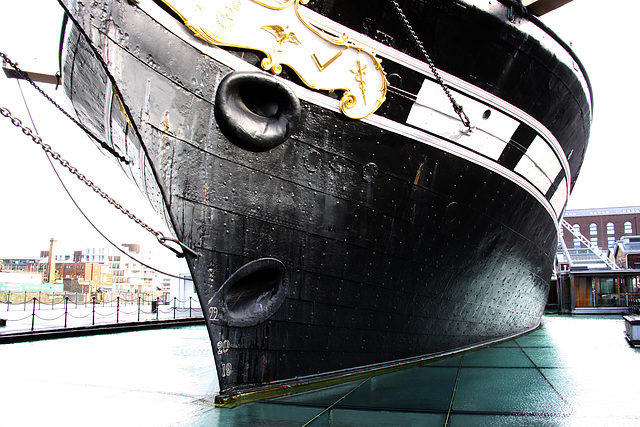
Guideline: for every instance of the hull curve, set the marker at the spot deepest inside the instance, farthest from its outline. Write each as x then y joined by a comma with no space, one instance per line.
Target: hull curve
350,244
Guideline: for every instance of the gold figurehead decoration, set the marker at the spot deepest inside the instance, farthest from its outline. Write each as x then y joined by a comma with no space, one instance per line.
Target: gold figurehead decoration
323,60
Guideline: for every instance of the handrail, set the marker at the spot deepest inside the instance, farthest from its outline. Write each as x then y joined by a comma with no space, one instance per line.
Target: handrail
64,311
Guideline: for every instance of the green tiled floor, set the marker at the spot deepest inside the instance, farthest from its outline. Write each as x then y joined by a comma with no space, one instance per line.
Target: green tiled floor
574,371
550,377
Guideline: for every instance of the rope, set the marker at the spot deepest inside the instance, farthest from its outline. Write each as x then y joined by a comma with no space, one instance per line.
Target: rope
86,130
79,317
27,107
51,319
128,313
181,310
93,312
105,315
163,240
21,319
52,154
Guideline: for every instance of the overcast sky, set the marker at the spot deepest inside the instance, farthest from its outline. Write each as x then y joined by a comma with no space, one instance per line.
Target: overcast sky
34,206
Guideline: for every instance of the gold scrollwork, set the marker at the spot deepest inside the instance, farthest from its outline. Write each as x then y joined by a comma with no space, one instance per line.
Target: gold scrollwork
281,35
322,57
322,67
347,102
359,76
267,63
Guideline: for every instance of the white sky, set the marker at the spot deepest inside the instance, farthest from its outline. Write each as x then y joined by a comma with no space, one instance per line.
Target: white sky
34,207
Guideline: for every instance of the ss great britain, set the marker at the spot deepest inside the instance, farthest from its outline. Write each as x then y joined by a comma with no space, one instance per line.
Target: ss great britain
358,185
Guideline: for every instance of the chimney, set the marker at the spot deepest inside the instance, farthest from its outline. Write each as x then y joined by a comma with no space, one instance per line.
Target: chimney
52,264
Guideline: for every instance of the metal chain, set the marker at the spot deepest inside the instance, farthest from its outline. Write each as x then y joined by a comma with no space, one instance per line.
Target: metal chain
47,149
456,107
25,76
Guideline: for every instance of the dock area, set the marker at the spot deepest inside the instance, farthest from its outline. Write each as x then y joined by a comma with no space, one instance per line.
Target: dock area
574,370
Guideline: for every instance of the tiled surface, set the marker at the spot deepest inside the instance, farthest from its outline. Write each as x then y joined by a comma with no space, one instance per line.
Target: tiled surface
574,371
550,377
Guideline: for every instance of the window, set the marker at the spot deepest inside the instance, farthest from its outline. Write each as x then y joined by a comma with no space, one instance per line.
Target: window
594,241
611,241
607,292
628,228
593,229
576,241
611,229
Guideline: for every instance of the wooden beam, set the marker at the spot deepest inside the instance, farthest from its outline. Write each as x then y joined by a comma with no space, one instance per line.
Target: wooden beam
36,77
540,7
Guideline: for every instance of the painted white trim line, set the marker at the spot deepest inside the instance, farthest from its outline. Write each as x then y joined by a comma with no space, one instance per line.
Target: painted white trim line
433,141
329,103
432,112
454,83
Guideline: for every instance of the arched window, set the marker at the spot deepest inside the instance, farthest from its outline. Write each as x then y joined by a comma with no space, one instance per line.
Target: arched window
576,241
611,229
628,228
593,229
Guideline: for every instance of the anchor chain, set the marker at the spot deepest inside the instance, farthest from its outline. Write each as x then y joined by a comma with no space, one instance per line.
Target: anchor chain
407,25
86,130
56,156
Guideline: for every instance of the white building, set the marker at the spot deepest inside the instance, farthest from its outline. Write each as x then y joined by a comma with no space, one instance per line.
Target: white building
184,292
130,273
132,270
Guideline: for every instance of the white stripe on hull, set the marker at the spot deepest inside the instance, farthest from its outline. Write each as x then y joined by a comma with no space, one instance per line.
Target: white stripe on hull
433,113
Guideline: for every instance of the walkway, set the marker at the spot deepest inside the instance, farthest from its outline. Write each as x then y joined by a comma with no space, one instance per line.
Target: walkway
33,319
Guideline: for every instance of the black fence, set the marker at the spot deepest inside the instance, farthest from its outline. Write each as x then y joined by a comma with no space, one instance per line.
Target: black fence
30,311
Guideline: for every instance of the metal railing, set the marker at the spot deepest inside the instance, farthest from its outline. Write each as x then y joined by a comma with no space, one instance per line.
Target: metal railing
69,310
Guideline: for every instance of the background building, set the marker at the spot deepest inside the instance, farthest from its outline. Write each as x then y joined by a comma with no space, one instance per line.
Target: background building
606,280
129,267
92,277
24,264
124,269
603,227
626,252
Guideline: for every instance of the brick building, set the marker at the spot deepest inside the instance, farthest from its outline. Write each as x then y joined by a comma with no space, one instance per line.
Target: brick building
603,227
589,285
96,276
626,252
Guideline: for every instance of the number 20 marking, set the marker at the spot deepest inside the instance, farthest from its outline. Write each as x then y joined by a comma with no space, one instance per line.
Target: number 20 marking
223,346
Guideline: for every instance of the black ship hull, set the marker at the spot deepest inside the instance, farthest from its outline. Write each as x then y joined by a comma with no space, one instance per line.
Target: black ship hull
336,244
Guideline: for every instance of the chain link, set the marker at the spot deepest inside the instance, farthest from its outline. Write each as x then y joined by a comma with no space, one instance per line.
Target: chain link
407,25
26,77
56,156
